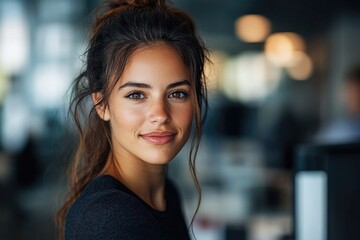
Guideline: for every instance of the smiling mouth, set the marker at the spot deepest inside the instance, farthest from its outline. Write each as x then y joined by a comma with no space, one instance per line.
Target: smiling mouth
159,138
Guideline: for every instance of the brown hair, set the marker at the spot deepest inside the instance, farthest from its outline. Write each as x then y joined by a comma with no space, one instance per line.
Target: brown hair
123,27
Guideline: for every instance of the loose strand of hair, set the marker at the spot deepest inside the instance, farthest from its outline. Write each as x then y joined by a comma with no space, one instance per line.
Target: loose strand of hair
195,144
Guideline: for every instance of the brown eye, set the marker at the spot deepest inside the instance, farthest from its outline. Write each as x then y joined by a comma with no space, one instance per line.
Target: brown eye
135,96
178,95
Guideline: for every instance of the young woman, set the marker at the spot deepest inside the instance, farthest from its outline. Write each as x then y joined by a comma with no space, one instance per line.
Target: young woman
144,77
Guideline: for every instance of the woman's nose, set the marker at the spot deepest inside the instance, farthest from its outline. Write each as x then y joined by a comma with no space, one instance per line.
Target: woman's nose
159,112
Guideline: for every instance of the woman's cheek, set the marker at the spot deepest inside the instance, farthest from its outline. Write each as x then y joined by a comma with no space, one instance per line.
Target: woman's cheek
186,116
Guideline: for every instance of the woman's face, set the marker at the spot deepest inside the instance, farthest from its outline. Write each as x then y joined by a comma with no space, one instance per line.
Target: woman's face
151,107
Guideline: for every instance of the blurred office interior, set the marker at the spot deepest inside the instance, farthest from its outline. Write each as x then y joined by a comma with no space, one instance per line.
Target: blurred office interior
275,83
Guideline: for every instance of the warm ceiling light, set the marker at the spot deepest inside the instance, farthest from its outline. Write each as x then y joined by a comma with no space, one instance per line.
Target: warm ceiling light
252,28
296,40
301,66
280,48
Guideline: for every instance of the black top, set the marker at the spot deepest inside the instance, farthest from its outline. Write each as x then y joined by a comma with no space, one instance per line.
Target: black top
107,209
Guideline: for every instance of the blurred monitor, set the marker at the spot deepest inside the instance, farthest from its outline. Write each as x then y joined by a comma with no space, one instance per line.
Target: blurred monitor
327,192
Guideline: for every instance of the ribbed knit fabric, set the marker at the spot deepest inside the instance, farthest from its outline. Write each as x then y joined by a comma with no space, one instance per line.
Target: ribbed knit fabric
108,210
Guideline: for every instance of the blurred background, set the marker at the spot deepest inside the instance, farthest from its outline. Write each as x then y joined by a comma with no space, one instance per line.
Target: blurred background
283,74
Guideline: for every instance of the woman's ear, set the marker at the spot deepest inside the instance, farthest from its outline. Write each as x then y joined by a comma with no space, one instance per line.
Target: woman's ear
101,109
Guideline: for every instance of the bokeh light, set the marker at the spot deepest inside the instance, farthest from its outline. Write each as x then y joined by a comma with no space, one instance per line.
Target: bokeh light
14,38
301,66
280,48
252,28
214,69
250,77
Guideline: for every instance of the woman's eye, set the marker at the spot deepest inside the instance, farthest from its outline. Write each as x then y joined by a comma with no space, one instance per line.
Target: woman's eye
178,95
135,96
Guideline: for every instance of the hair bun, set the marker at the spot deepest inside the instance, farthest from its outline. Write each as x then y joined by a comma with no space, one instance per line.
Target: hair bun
143,3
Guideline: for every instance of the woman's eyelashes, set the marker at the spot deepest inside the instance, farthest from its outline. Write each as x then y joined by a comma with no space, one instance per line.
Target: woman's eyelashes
135,96
139,96
179,94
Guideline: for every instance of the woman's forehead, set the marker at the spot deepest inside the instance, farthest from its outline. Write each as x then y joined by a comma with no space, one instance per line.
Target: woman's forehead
155,63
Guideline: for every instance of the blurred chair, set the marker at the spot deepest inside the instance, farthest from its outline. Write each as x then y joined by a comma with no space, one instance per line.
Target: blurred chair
327,192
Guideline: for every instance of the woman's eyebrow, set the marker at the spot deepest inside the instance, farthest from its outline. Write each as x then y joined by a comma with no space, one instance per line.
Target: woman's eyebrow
135,84
177,84
145,85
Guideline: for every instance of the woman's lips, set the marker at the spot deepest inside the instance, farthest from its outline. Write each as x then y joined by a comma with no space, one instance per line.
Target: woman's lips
159,138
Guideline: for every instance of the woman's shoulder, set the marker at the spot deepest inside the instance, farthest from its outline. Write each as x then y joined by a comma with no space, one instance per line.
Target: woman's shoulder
106,210
104,191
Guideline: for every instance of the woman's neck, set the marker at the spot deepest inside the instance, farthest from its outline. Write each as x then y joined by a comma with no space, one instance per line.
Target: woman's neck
146,180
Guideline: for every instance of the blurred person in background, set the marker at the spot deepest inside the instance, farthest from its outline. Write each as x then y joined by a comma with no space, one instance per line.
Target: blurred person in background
346,128
144,76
